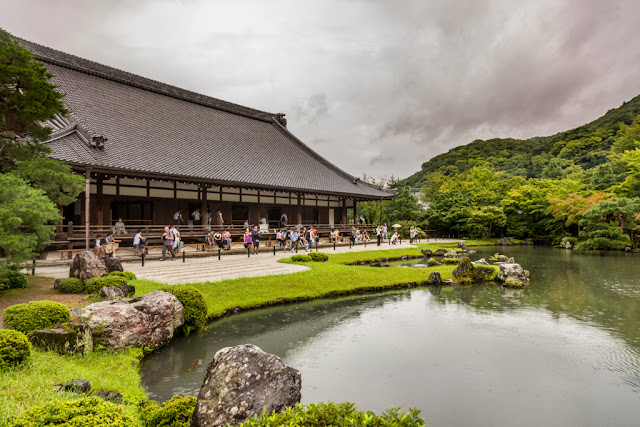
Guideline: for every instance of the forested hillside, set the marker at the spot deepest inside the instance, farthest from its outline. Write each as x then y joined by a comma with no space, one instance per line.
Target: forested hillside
581,186
586,146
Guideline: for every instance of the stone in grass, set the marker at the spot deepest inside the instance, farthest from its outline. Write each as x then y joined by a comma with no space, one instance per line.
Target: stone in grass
451,254
77,386
481,261
110,396
128,290
69,337
86,265
464,268
440,252
112,264
434,278
426,252
242,381
111,292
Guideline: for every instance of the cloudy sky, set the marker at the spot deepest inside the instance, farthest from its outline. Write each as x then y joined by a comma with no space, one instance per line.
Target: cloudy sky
374,86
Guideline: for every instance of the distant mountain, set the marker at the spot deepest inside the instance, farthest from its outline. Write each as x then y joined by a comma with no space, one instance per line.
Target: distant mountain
586,146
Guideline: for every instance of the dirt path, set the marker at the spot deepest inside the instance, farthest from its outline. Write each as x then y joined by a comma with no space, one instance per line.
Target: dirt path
40,288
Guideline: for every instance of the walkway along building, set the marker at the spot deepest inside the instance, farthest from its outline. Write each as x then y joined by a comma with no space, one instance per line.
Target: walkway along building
147,149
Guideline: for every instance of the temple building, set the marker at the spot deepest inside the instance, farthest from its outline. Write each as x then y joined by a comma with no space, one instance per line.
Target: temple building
147,149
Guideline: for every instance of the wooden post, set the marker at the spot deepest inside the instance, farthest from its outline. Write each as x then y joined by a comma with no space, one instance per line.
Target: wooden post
87,197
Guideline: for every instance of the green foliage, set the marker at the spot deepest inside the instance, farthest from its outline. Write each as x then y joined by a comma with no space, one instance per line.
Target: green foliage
194,306
27,219
71,285
455,261
173,413
11,279
301,258
610,224
404,206
34,315
318,256
85,412
94,284
432,262
332,414
15,348
126,274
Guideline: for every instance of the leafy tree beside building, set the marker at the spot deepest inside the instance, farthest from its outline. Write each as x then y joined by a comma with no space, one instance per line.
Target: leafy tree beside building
32,185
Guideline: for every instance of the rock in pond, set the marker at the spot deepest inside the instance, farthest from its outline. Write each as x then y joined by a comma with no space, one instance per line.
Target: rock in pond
242,381
481,261
427,252
440,252
111,292
69,337
513,275
86,265
464,268
504,241
434,278
451,254
149,320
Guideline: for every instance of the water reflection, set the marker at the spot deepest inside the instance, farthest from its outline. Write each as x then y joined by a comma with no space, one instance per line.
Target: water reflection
568,344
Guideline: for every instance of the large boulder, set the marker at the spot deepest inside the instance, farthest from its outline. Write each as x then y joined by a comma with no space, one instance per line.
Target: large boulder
434,278
149,320
242,381
86,265
513,275
112,264
70,337
464,268
451,254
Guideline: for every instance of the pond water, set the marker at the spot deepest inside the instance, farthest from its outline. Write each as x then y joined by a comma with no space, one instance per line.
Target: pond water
563,352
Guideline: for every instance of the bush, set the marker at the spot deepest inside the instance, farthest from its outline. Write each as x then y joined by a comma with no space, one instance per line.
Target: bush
87,411
35,315
94,285
126,274
451,261
432,262
194,306
173,413
331,414
71,285
318,256
301,258
10,279
14,348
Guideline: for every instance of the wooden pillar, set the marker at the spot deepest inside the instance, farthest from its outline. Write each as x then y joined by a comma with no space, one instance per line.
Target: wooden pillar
87,198
299,212
355,211
205,205
100,201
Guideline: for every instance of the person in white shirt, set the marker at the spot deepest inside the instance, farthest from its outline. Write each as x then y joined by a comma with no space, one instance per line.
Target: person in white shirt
139,242
196,217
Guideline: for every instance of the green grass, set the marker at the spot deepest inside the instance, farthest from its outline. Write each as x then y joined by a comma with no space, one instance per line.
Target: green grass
324,279
481,242
22,388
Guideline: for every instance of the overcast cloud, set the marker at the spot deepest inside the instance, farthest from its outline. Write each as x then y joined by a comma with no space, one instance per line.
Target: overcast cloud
374,86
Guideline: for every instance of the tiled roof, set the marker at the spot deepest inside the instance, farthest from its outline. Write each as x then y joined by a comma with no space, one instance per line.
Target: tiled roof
150,127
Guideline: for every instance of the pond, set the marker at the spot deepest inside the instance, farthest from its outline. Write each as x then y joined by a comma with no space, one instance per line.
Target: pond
564,351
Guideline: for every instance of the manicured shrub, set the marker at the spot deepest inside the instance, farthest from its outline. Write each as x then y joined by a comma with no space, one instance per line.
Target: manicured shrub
451,261
332,414
126,274
35,315
173,413
432,262
301,258
14,348
94,285
318,256
10,279
194,306
87,411
71,285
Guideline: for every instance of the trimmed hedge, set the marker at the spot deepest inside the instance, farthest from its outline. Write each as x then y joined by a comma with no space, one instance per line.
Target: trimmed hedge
10,279
301,258
194,306
71,285
332,414
15,348
34,315
318,256
126,274
85,412
94,285
173,413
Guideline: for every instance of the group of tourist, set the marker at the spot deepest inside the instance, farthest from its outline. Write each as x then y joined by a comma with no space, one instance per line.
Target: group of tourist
197,217
221,240
292,238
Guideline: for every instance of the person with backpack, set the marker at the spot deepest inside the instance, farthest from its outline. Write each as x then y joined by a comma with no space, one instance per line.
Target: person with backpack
177,217
167,245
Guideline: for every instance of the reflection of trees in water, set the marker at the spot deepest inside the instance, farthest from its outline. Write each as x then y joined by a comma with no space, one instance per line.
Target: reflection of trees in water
278,330
603,288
